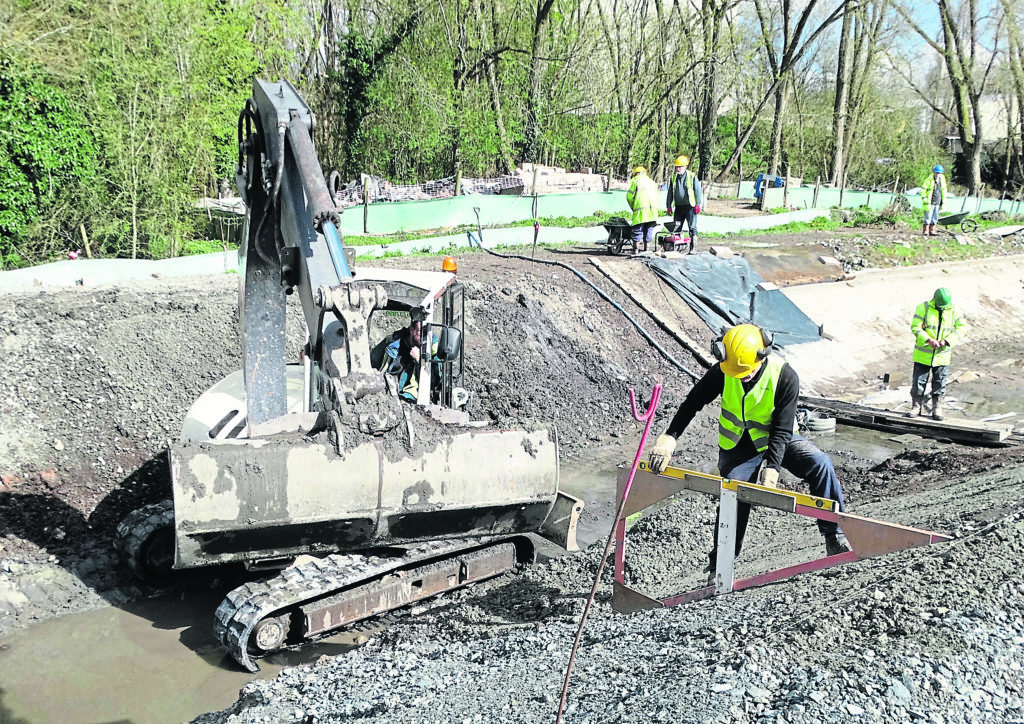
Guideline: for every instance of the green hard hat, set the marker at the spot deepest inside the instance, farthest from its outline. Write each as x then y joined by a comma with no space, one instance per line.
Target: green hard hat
942,298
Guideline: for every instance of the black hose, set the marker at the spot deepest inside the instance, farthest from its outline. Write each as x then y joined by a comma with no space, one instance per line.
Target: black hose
639,328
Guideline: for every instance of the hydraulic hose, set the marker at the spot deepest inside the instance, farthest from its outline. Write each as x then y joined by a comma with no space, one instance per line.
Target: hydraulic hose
639,327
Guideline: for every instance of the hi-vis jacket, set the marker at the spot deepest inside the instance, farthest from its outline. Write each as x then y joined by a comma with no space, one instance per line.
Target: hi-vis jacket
750,411
938,324
928,186
642,198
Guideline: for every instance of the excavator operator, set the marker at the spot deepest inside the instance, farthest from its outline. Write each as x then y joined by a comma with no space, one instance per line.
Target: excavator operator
756,430
398,357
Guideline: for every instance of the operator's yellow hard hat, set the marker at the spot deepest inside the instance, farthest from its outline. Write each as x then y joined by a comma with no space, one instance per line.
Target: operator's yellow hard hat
682,161
639,169
449,264
741,350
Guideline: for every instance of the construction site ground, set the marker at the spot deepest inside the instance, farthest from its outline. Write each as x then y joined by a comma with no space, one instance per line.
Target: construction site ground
96,380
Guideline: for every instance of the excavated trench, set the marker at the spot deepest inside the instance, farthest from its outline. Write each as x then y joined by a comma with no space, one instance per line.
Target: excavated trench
97,380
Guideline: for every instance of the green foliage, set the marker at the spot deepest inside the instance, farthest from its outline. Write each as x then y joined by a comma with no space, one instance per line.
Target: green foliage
144,125
46,151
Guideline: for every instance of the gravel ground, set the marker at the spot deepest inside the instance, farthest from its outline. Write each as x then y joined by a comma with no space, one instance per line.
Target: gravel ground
930,635
96,381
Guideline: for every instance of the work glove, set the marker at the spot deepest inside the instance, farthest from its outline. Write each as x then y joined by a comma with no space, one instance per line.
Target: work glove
696,209
668,211
768,477
662,451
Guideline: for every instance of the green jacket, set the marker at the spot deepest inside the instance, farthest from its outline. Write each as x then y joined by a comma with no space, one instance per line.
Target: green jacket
928,186
938,324
642,198
751,411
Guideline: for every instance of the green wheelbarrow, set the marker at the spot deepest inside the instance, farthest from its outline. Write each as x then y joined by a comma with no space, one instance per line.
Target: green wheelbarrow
967,224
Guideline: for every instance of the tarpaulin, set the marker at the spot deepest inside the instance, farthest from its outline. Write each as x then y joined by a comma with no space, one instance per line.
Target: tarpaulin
724,292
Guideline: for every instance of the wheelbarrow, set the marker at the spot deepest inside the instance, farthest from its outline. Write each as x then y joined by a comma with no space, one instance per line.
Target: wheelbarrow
620,233
672,239
967,224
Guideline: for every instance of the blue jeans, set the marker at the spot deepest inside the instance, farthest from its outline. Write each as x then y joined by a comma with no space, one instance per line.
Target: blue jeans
939,374
804,460
643,232
687,214
931,214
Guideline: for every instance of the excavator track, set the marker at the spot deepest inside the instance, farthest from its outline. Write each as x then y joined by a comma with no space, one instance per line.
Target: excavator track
315,599
145,541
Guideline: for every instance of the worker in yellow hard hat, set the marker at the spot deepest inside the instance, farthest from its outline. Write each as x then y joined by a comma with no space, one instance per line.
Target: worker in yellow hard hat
642,198
756,427
685,197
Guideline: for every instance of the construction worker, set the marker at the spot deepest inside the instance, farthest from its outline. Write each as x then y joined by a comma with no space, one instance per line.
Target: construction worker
684,194
937,327
642,198
756,428
398,357
933,196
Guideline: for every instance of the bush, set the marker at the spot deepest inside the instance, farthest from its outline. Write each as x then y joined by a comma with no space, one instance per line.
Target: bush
47,153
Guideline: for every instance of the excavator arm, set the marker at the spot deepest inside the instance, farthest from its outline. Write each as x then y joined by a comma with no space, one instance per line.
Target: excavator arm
292,243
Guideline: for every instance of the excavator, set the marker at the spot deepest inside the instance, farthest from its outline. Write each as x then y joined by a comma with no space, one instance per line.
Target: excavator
345,493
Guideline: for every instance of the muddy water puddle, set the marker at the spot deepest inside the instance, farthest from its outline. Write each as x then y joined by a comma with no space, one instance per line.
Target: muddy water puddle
150,661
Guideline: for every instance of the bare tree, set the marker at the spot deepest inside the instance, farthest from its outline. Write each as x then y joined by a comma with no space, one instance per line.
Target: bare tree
858,50
1015,64
795,45
958,44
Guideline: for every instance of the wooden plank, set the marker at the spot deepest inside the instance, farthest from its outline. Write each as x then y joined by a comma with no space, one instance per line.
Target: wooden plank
965,431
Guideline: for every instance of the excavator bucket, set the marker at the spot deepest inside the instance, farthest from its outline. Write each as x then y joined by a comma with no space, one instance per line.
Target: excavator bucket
259,499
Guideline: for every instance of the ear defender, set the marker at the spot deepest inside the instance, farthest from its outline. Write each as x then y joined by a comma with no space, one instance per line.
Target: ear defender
768,339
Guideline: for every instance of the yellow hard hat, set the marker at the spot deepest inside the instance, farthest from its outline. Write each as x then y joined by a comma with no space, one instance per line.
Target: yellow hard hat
682,161
741,350
449,264
639,169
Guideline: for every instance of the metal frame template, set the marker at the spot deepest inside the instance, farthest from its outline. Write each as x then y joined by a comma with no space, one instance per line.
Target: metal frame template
868,538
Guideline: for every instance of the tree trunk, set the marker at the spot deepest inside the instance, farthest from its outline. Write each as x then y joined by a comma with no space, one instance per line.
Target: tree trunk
505,148
775,150
840,103
531,132
708,120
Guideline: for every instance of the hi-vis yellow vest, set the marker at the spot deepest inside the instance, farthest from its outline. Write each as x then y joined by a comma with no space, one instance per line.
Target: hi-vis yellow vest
750,411
939,324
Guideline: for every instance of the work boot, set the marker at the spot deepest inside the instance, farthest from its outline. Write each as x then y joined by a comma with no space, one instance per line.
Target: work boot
937,408
836,543
916,409
931,230
924,229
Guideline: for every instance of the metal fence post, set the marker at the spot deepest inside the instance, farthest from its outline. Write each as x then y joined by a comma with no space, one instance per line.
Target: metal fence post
366,205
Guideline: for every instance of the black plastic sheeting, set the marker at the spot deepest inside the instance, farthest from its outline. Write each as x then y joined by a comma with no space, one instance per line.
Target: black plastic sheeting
724,292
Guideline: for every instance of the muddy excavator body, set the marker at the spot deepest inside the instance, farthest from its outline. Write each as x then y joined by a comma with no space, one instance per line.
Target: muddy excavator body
360,452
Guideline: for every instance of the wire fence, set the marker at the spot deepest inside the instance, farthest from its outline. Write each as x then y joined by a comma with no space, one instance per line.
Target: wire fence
374,189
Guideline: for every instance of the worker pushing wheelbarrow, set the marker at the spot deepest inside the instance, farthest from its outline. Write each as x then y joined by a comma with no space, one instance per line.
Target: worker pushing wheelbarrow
933,196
